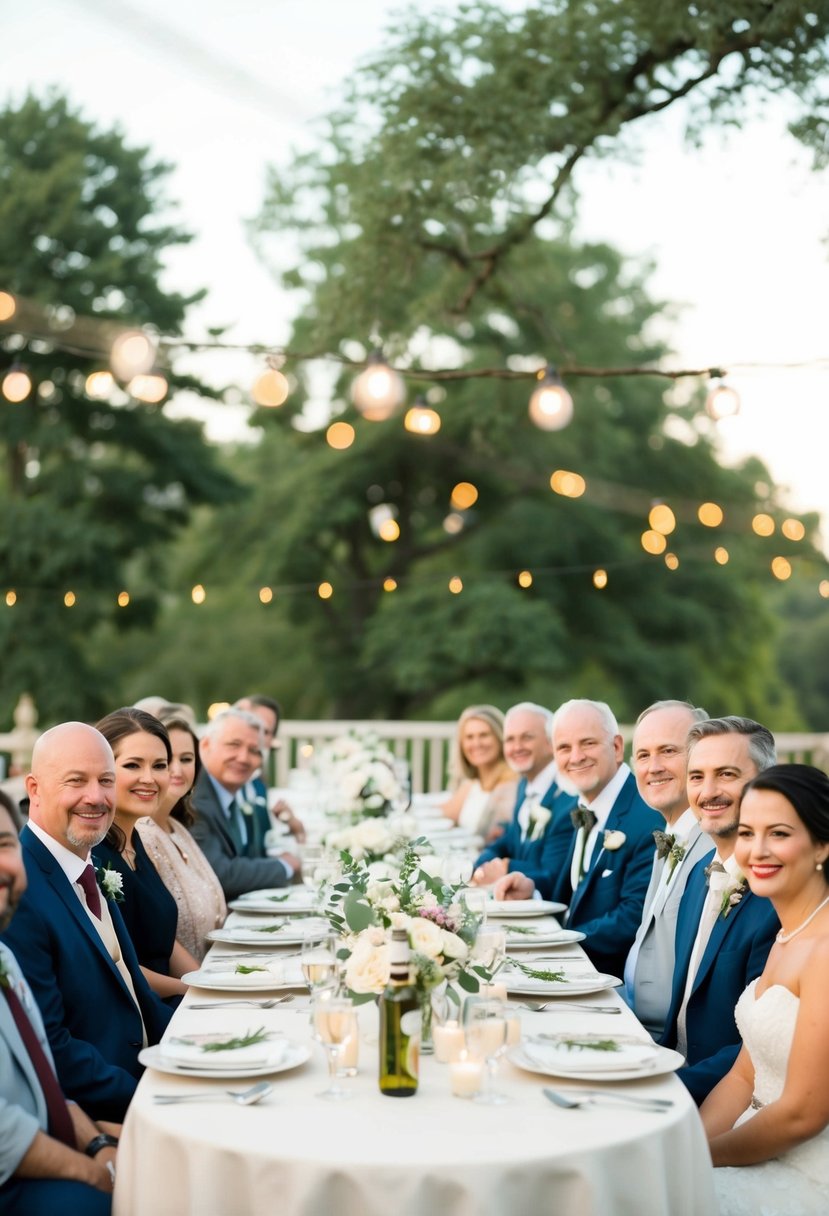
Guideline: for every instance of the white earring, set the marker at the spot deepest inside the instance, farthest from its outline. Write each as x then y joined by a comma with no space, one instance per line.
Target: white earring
819,865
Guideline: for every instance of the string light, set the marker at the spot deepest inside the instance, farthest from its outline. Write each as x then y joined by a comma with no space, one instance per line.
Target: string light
378,391
421,419
217,707
389,530
11,598
710,515
325,591
8,306
551,406
70,599
464,495
17,384
99,385
653,542
265,595
132,354
525,579
763,525
149,387
721,556
662,519
793,529
722,401
198,595
823,588
453,524
456,585
340,435
672,561
600,579
271,389
123,599
569,485
389,584
781,568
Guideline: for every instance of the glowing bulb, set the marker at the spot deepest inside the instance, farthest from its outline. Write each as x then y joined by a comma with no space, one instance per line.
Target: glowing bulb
11,598
389,584
793,529
600,579
672,561
17,384
823,589
150,388
325,591
453,524
569,485
464,496
389,530
662,519
421,420
198,594
551,406
378,391
132,354
123,599
8,306
721,556
217,707
653,542
781,568
710,515
99,385
722,401
525,579
455,585
265,595
271,389
70,599
763,525
340,435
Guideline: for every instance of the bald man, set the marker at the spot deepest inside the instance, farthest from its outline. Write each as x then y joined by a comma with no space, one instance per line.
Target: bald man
68,935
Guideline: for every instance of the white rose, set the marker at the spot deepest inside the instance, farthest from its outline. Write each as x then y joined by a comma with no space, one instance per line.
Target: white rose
372,836
454,946
368,967
425,937
613,841
432,865
352,784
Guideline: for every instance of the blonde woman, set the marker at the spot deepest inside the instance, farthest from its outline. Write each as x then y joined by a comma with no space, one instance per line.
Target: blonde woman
485,786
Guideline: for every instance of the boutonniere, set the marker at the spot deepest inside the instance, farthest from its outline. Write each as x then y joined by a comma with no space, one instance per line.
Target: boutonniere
613,841
732,896
4,974
678,851
539,818
110,882
244,806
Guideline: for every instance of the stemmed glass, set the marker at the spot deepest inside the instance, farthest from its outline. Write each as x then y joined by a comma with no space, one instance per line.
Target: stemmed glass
490,947
485,1031
325,872
334,1021
318,959
474,900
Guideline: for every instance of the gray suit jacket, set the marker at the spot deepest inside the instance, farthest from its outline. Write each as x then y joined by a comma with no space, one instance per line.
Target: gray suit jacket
653,977
22,1105
236,872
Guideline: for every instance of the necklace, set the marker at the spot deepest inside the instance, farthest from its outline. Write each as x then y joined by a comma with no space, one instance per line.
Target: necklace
782,937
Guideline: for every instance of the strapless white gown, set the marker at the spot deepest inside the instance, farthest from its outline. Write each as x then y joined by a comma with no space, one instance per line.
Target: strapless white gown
796,1184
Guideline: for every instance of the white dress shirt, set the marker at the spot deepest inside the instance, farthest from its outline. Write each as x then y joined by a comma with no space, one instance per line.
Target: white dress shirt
601,806
718,884
534,792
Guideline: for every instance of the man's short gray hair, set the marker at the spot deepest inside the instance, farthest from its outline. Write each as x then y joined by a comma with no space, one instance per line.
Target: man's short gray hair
605,713
761,745
215,724
697,714
530,707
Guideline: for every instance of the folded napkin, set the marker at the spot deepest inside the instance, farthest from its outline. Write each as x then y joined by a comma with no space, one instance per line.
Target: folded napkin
271,973
589,1053
188,1051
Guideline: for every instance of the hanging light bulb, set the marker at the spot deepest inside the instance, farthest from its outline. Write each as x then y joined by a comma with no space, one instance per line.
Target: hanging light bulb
99,385
722,400
17,384
379,390
8,306
551,406
271,389
421,419
148,387
132,354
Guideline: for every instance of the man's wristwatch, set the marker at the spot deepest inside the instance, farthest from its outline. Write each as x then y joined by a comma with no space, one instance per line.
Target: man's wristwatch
98,1142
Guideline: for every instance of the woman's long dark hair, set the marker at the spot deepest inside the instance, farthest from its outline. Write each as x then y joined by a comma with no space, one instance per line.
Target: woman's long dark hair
183,810
116,726
807,789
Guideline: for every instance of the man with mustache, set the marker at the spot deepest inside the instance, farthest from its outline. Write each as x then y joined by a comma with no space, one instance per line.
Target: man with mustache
43,1165
68,934
723,933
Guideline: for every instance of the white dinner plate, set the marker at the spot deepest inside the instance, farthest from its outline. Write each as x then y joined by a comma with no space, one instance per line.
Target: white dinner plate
579,984
152,1057
225,979
298,901
542,937
665,1061
523,907
289,933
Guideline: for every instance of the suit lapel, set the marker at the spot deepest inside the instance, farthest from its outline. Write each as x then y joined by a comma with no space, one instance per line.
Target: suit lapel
723,925
614,823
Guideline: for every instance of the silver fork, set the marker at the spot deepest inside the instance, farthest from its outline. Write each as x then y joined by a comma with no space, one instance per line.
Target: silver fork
269,1004
656,1106
552,1006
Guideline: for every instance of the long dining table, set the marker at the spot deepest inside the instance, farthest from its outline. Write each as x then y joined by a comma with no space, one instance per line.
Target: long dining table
435,1154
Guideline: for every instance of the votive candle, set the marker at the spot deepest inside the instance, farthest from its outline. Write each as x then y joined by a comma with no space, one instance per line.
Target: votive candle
448,1039
465,1076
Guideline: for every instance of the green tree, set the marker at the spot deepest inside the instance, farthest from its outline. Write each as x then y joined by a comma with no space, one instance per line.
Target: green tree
89,489
437,215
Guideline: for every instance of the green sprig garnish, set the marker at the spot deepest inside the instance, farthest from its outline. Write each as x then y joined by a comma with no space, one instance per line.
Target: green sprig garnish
590,1044
279,899
269,928
243,969
523,930
246,1040
534,973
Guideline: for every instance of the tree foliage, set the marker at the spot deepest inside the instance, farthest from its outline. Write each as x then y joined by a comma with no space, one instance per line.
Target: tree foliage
89,489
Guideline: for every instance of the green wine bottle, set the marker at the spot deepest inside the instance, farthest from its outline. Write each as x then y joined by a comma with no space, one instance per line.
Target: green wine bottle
399,1024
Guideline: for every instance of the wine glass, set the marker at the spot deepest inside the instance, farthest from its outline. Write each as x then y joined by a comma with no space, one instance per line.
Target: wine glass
334,1022
485,1032
490,947
325,872
474,901
318,959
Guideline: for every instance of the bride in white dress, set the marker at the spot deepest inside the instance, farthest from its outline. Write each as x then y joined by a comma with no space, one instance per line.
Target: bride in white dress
768,1120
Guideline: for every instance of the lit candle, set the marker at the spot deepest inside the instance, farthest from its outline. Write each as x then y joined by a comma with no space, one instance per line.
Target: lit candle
465,1076
448,1040
494,992
349,1055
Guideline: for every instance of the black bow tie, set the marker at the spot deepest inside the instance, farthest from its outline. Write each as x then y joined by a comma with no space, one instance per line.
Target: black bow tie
665,841
715,867
583,817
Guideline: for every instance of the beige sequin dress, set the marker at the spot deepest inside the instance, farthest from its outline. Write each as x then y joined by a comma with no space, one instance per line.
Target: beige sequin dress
189,877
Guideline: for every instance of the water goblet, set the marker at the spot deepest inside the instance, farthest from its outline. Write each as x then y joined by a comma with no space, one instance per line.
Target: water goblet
318,959
485,1031
334,1022
474,902
490,947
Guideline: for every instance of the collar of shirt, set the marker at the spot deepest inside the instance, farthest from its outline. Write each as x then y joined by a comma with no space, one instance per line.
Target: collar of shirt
224,795
683,826
731,868
72,865
602,804
541,782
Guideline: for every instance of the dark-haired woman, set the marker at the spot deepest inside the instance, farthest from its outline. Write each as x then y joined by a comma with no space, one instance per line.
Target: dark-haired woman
770,1115
183,867
142,755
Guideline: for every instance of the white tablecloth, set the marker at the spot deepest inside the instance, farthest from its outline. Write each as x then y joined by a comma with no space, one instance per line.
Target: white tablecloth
431,1155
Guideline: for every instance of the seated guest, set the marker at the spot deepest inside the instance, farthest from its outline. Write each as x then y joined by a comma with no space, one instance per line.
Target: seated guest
610,857
255,792
184,869
142,754
774,1103
231,838
659,759
536,840
67,934
486,787
723,931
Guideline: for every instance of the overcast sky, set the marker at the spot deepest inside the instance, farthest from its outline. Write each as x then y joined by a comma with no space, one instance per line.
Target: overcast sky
737,229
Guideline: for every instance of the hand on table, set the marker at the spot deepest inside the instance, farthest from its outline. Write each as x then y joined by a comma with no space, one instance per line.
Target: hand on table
514,886
490,872
285,815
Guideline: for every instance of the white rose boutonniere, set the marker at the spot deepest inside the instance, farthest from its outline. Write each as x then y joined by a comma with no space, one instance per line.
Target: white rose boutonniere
733,894
244,806
111,883
539,818
613,841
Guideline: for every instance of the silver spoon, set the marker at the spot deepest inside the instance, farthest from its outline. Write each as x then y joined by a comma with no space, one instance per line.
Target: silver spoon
552,1006
242,1097
654,1105
269,1004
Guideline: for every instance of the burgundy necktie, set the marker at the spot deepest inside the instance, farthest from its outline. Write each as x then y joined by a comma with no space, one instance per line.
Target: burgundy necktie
60,1123
90,889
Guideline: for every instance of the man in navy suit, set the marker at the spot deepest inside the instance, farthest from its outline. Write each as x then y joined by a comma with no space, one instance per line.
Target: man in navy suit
538,836
724,932
255,792
52,1156
610,855
68,934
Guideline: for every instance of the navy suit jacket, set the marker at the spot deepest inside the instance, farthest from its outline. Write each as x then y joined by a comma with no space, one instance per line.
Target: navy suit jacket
736,953
237,872
91,1021
607,904
539,859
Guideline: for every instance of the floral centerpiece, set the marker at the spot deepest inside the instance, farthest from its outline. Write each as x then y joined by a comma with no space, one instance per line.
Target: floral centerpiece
363,909
374,840
360,770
